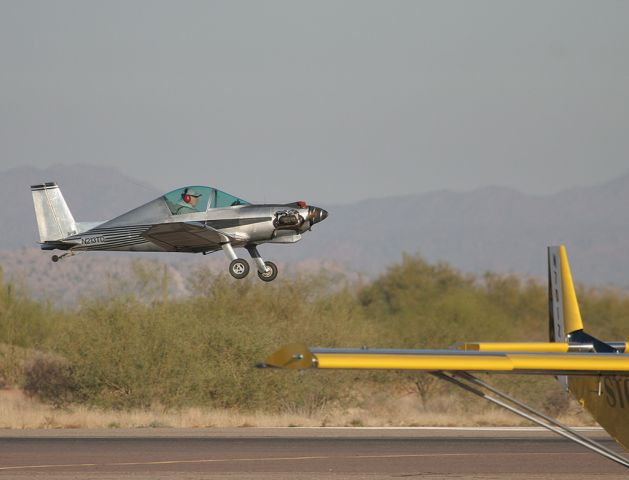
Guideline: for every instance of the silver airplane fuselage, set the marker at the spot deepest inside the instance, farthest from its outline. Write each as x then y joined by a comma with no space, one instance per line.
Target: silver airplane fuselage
245,224
162,225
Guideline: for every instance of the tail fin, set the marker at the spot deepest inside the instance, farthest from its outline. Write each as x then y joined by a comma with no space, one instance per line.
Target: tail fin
564,316
564,313
601,395
54,219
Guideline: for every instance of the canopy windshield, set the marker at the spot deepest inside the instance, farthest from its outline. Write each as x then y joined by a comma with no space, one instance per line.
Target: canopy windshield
223,199
197,199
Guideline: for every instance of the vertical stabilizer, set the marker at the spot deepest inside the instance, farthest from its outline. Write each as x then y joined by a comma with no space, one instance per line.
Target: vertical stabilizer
54,219
564,313
571,312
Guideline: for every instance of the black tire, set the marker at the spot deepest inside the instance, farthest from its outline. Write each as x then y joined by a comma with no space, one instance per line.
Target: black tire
271,274
239,268
55,258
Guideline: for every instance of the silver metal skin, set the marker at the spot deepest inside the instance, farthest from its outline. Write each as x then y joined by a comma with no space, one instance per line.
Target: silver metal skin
229,251
162,225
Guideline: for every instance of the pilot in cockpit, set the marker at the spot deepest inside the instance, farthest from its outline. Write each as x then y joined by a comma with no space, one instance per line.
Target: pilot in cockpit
188,202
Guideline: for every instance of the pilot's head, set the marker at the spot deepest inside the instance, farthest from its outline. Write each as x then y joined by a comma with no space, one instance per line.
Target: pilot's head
190,196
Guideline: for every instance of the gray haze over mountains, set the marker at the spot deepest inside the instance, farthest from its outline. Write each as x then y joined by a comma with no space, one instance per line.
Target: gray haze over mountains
488,229
333,101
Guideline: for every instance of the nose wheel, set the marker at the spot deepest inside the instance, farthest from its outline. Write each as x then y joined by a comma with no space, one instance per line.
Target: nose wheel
267,271
270,273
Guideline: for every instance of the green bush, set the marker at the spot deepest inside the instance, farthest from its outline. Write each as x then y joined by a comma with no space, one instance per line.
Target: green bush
50,378
139,349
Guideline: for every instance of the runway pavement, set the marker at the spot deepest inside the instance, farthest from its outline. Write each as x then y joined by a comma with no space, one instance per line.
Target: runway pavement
300,453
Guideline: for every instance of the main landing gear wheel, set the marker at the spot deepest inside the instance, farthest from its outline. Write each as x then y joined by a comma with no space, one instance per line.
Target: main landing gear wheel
270,274
55,258
239,268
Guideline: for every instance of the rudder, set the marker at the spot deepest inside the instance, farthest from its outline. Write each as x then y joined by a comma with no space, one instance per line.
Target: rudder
564,313
54,219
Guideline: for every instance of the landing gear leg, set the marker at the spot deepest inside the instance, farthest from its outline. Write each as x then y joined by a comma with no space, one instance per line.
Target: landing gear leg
267,271
238,268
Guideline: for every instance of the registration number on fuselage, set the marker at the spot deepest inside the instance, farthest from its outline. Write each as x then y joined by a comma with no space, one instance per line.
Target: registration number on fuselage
92,240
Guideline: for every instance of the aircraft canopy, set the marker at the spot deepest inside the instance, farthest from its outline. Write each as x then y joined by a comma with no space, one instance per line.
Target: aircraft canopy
196,199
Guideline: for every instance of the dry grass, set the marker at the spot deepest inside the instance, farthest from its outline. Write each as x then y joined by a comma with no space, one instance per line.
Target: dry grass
18,411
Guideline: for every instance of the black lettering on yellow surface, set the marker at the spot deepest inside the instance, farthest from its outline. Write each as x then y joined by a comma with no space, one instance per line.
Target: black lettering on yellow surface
621,397
610,395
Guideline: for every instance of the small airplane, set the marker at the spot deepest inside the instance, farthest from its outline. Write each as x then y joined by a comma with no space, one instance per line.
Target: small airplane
596,372
193,219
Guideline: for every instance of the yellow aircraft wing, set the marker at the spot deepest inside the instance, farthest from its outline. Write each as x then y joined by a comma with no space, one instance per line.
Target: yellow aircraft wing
594,371
299,356
599,381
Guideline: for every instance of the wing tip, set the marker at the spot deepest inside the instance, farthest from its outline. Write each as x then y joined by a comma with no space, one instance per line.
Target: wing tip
292,356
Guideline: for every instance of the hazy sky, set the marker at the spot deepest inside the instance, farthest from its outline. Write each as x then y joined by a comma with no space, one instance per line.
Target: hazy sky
329,101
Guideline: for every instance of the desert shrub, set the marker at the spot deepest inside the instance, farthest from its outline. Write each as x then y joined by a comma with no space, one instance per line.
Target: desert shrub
141,349
605,312
24,321
556,401
202,350
50,378
431,306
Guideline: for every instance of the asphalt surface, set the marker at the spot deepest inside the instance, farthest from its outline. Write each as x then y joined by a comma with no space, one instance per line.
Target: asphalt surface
300,454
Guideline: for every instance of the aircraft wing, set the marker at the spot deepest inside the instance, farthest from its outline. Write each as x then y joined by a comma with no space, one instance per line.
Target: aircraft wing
597,379
299,356
185,236
595,372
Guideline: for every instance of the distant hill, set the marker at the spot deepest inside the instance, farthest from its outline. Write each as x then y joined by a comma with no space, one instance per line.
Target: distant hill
489,229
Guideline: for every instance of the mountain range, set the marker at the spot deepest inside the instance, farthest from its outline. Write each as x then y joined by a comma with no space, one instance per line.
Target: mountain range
488,229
